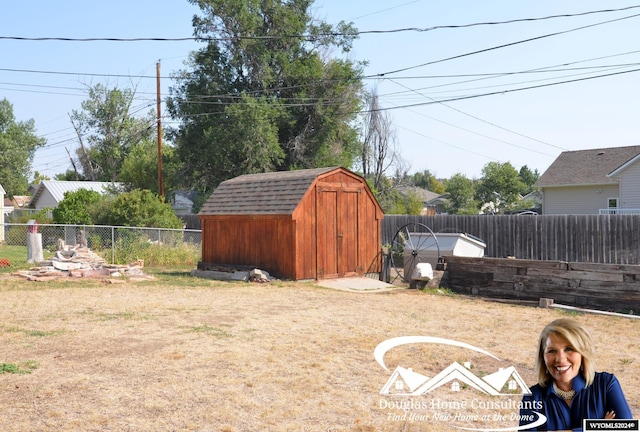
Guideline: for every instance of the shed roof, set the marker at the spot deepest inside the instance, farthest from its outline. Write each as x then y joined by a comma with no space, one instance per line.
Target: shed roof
586,167
268,193
57,188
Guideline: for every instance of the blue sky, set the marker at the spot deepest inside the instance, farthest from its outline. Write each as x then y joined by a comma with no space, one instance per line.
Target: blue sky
528,127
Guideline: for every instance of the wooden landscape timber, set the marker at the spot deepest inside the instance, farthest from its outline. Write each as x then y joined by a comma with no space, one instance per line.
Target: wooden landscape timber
609,287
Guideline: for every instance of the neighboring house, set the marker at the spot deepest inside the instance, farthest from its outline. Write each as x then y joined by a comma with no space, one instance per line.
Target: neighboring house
49,193
182,201
20,202
437,203
534,197
433,203
598,181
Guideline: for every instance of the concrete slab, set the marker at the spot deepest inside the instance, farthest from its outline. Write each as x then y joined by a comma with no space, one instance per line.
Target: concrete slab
357,284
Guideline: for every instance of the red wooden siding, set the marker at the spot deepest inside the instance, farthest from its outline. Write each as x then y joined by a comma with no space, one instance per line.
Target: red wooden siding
261,241
334,231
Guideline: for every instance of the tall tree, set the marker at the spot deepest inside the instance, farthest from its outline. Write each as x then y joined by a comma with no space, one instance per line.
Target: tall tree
500,184
107,131
140,168
379,152
428,181
461,191
18,144
529,178
263,93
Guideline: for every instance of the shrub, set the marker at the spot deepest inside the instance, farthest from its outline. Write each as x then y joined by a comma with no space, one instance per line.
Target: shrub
141,208
75,208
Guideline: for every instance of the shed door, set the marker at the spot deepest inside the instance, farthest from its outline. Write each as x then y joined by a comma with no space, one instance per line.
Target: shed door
337,216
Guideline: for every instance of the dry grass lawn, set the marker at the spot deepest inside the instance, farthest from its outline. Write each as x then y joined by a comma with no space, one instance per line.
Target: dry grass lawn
185,354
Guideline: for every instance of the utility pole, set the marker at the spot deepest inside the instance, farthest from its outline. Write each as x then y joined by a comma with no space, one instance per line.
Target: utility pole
159,114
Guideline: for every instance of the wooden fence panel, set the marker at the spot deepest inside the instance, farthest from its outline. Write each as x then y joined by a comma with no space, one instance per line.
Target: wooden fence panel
607,239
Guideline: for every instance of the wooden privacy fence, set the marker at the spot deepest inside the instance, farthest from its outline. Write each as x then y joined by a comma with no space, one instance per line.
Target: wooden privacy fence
607,239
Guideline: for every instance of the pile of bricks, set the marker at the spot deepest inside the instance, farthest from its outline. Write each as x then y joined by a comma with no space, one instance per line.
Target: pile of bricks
81,262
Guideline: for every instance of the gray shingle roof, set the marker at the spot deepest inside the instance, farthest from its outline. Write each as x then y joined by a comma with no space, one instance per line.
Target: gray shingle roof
269,193
586,167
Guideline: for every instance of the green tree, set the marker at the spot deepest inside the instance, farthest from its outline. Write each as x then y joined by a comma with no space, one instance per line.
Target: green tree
426,180
500,185
263,94
76,207
39,177
70,175
18,144
529,178
140,167
138,208
461,191
107,131
394,202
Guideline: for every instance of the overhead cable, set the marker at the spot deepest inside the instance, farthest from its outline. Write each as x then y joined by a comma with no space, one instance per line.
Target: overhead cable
383,74
310,36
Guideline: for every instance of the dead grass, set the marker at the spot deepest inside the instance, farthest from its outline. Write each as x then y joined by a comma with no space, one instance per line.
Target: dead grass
198,355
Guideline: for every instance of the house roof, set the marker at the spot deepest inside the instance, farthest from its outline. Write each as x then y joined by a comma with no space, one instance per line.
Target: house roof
21,200
428,197
587,167
58,188
269,193
188,194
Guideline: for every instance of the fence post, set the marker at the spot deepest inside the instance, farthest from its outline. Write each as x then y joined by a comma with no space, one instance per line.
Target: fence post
113,245
34,242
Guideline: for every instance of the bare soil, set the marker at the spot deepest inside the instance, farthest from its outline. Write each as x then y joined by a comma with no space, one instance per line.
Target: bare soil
185,354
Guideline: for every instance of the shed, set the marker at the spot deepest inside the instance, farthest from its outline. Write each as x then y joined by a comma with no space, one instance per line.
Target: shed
307,224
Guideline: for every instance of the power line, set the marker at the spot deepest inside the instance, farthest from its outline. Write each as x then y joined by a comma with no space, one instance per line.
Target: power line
505,91
311,36
481,134
489,123
77,73
448,144
384,10
500,46
544,69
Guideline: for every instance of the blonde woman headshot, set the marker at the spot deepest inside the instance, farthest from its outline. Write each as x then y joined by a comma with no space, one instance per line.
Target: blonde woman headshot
569,389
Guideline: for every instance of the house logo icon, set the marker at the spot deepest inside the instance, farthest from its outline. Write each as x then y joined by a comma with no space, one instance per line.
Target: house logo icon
405,382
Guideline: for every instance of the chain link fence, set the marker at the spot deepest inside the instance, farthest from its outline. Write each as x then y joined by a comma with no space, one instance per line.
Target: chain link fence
116,244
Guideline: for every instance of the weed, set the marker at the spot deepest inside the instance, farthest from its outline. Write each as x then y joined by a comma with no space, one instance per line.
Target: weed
572,312
117,316
25,367
214,331
439,291
35,333
167,254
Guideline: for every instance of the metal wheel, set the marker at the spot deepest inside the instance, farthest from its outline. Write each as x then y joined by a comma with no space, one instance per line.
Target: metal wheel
412,244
